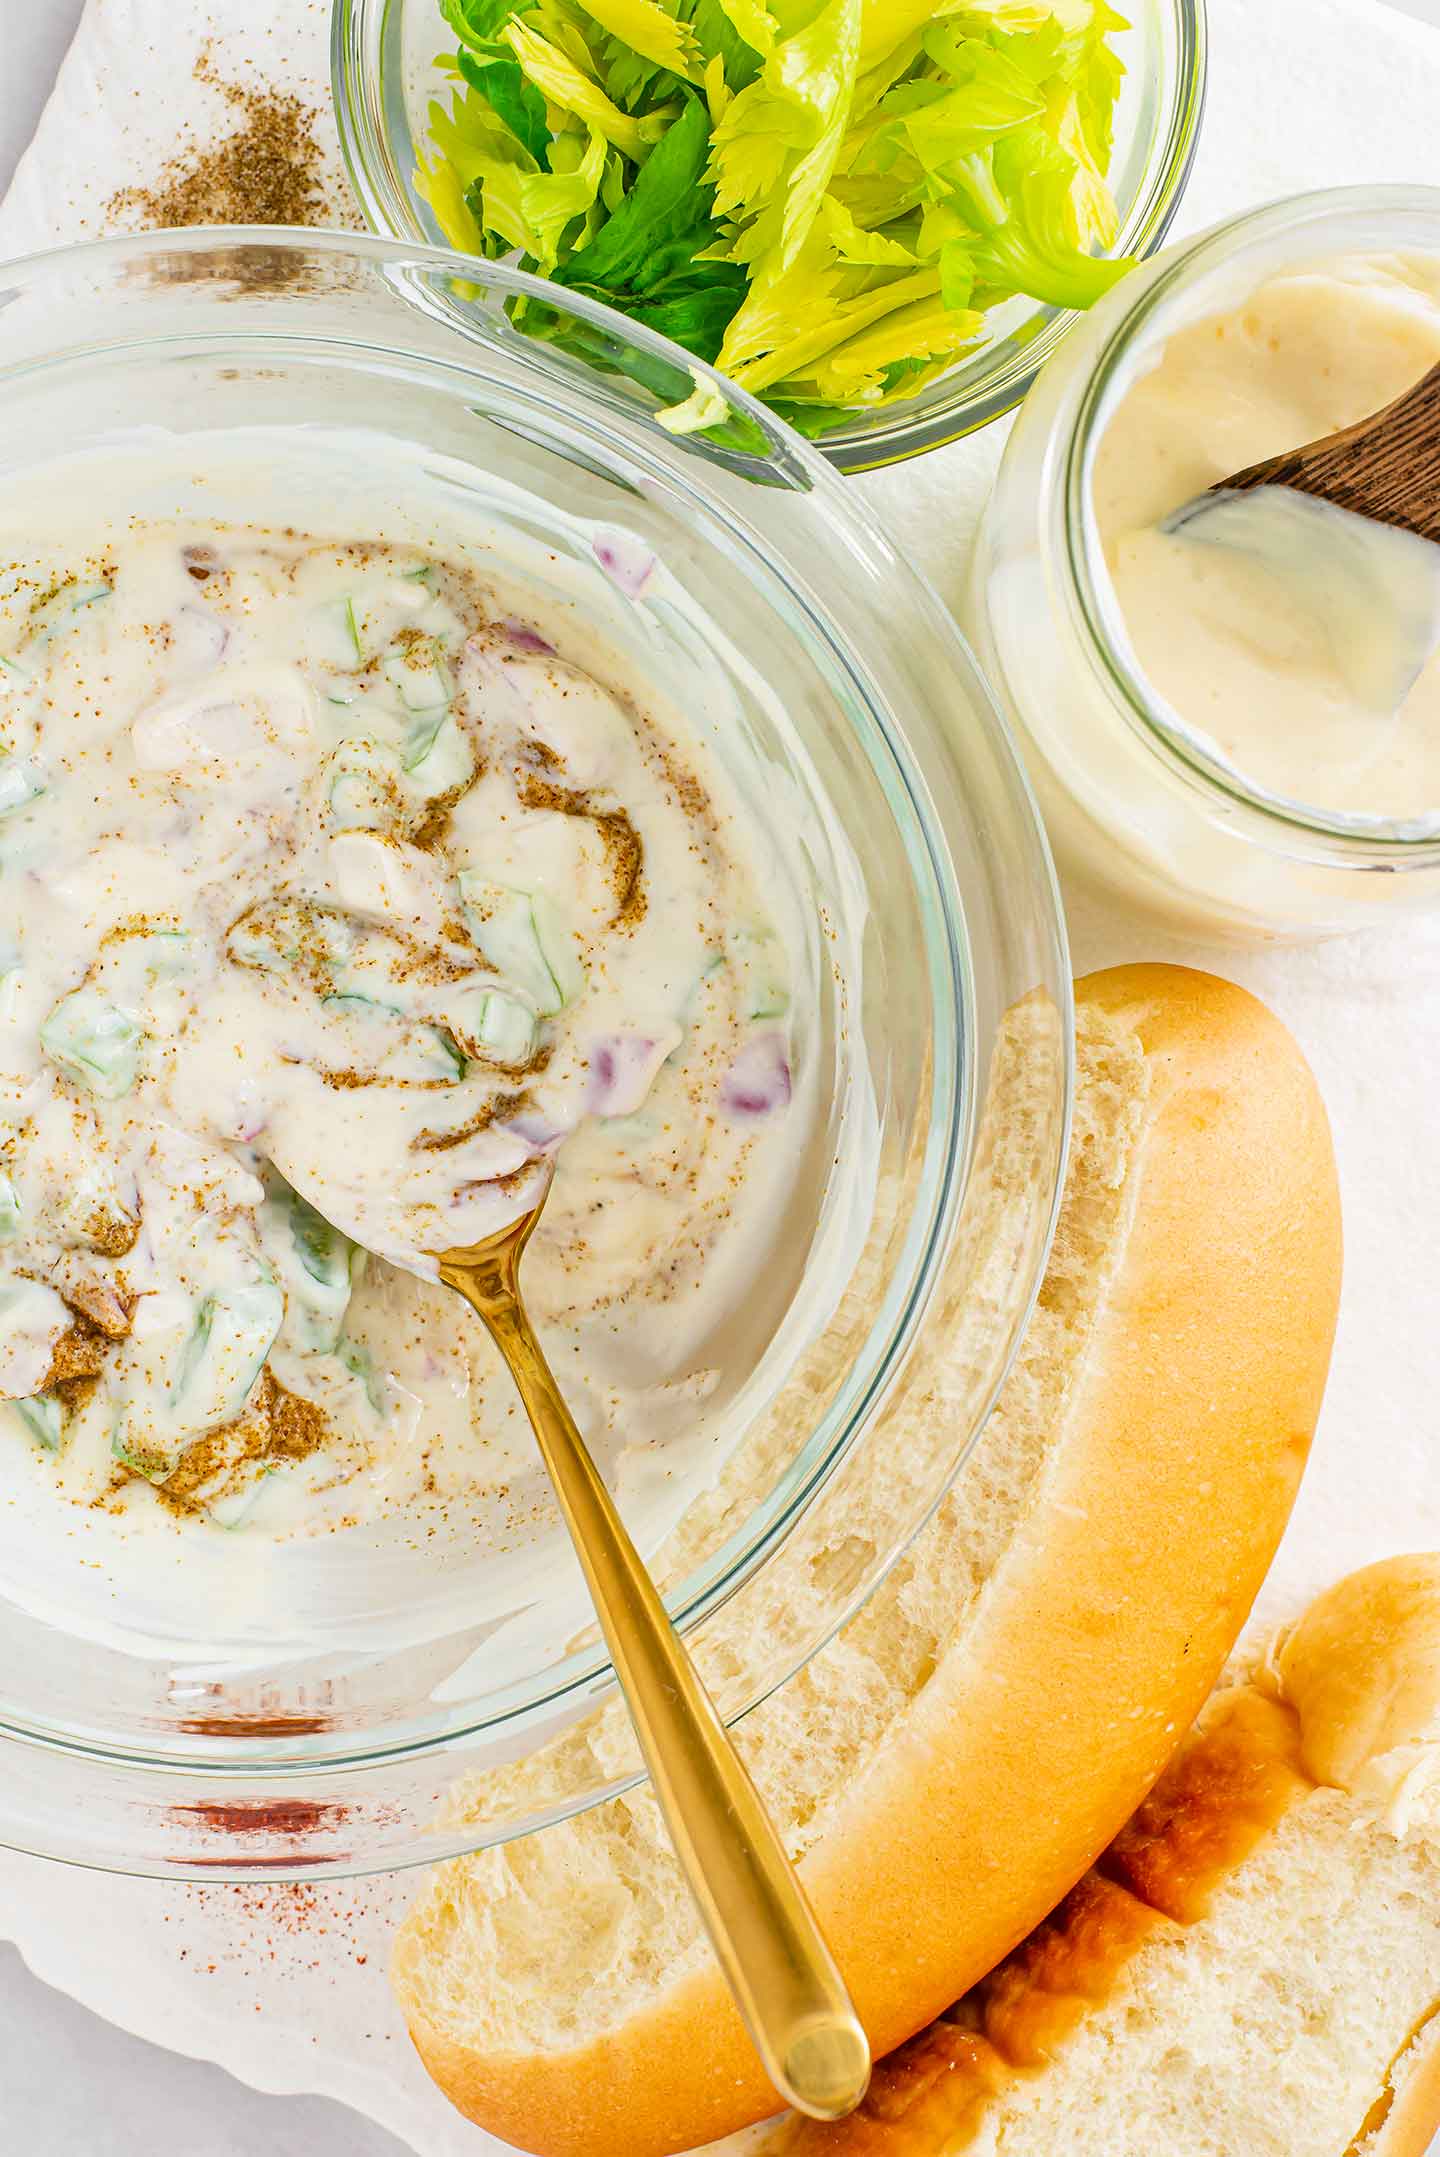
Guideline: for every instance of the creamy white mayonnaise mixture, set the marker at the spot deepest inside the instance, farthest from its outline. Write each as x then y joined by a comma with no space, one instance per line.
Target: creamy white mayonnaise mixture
1296,641
354,863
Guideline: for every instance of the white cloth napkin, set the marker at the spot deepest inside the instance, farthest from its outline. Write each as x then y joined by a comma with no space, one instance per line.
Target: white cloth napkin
286,1986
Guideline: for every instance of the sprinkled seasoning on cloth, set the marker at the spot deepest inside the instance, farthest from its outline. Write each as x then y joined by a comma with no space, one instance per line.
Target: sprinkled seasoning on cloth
268,171
151,91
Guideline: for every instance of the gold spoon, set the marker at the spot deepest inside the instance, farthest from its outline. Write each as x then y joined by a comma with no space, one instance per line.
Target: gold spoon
767,1941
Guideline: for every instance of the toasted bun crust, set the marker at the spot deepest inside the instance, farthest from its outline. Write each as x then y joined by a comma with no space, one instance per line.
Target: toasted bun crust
1353,1686
1097,1636
1412,2117
1362,1669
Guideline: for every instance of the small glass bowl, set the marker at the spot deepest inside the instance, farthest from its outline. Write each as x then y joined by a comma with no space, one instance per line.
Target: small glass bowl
339,1760
1130,799
383,78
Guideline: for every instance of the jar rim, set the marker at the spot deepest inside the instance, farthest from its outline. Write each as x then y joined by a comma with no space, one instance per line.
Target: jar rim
1301,829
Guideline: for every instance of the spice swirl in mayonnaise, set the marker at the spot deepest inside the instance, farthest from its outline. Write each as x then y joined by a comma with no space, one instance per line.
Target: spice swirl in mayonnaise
327,864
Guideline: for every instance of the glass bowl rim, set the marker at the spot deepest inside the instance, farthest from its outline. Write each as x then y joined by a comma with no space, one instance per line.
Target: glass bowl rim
271,1762
381,192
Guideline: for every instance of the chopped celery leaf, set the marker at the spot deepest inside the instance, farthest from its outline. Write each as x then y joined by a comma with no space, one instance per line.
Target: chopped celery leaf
512,99
665,204
824,201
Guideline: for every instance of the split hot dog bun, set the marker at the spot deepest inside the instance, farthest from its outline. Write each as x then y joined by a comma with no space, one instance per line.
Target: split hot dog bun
1252,1969
950,1765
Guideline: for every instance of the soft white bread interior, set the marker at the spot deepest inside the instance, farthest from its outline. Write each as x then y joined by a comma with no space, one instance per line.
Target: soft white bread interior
1252,1969
952,1763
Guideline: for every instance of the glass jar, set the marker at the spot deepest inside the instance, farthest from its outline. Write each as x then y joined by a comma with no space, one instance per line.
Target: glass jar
1130,797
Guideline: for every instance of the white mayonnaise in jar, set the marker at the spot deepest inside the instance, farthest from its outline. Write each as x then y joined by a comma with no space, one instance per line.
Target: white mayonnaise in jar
1234,721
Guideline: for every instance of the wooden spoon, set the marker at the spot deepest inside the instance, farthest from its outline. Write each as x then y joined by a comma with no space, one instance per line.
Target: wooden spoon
766,1938
1386,467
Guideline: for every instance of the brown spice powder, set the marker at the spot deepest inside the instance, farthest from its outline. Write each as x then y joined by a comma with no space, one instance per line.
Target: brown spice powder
276,1425
110,1231
79,1353
624,848
269,172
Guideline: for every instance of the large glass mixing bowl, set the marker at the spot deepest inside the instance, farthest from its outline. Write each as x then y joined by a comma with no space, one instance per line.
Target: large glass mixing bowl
957,1036
384,78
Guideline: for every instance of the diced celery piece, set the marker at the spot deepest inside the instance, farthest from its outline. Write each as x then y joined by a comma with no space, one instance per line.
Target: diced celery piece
441,1053
140,1449
360,1006
362,786
494,1026
521,935
424,688
9,1209
44,1418
252,948
271,937
232,1508
315,1264
166,952
324,1253
759,960
21,782
230,1474
507,1029
358,1362
557,948
133,967
438,757
95,1042
225,1354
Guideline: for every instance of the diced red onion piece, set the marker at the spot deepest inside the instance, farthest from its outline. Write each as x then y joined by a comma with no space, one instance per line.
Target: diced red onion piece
537,1132
527,639
623,1068
626,560
758,1081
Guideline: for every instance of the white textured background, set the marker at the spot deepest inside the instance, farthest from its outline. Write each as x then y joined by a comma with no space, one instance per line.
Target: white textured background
70,2084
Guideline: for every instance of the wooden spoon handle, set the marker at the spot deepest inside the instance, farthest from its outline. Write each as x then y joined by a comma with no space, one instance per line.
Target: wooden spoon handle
780,1971
1386,467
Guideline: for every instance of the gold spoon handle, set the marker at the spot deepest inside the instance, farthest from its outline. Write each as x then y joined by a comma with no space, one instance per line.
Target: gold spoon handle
769,1946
